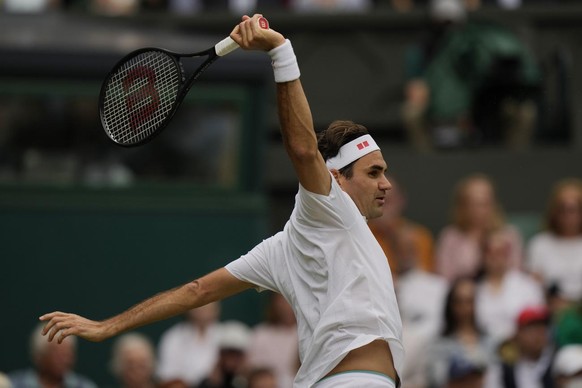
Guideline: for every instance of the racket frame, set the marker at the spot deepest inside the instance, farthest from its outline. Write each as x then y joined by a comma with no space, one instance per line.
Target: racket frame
185,84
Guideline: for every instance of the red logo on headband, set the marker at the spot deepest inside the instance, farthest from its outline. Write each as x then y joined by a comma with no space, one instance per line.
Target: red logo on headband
363,145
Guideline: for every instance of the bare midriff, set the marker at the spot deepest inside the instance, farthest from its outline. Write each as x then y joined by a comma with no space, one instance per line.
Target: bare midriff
374,357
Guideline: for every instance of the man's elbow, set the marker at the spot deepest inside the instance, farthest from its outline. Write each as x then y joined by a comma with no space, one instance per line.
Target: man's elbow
198,294
302,153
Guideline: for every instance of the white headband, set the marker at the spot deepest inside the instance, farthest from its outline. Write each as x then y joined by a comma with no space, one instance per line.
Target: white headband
352,151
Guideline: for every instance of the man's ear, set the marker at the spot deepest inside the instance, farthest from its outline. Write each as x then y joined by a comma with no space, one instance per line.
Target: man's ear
336,175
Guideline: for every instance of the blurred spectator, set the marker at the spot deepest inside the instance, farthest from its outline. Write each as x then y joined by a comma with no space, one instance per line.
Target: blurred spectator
386,228
469,83
555,255
237,7
30,6
4,382
262,378
556,302
274,342
527,362
331,5
421,299
569,326
53,365
115,7
475,213
567,368
189,350
503,292
461,356
229,371
133,362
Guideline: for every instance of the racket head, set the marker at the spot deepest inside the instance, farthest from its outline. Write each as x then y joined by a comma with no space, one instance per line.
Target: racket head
140,95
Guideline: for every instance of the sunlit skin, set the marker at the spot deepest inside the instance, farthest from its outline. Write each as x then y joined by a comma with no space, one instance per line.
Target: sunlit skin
368,186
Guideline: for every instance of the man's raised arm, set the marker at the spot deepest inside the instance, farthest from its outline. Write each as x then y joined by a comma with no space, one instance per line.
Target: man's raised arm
294,113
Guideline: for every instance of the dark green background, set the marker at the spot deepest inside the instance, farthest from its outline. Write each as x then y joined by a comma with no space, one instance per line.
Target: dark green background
92,253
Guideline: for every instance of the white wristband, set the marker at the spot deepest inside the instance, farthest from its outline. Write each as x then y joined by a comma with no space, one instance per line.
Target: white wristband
284,63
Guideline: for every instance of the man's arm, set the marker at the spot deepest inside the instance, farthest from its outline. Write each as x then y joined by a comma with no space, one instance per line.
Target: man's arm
214,286
294,112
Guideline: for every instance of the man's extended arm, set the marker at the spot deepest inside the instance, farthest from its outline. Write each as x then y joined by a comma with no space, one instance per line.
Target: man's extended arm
214,286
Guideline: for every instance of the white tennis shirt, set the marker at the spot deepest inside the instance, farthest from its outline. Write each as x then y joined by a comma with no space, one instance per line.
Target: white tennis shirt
330,268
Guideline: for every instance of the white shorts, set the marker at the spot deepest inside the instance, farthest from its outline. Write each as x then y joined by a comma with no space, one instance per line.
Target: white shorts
356,379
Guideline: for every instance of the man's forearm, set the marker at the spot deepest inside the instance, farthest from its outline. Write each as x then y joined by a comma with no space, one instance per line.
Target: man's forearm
159,307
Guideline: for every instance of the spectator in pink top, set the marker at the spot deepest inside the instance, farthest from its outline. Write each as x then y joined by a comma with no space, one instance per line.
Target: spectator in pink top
475,213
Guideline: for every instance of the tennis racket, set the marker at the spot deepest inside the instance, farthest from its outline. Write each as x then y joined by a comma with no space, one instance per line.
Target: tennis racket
145,88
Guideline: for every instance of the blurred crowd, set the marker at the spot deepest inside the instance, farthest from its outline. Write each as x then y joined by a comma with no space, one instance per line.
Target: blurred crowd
482,306
129,7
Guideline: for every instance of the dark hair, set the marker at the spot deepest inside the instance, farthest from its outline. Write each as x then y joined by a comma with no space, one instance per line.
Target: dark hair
336,135
450,323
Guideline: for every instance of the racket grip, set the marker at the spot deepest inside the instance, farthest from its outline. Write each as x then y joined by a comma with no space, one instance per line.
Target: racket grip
227,45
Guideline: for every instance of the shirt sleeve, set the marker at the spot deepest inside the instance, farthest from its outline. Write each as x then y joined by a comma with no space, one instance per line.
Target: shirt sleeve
256,266
335,210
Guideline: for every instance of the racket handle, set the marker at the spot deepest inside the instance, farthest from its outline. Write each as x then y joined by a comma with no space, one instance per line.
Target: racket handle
227,45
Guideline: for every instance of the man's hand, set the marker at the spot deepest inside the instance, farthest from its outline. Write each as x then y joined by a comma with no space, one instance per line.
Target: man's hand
61,325
250,36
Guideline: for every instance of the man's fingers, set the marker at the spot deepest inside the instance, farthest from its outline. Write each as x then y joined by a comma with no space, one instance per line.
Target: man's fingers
64,334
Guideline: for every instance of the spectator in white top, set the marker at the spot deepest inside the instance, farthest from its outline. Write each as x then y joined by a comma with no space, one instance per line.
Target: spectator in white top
503,291
421,298
555,255
189,350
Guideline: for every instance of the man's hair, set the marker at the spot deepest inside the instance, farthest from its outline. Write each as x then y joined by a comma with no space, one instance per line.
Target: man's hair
335,136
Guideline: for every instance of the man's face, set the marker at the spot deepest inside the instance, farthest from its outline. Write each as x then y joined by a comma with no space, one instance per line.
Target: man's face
368,186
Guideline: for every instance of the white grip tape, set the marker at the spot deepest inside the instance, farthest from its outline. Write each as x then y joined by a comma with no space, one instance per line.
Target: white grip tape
285,65
225,46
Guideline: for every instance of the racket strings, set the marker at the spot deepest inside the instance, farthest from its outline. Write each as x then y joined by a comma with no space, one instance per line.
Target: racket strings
139,96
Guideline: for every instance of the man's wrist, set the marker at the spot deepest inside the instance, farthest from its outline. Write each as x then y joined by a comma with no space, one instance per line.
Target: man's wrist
284,61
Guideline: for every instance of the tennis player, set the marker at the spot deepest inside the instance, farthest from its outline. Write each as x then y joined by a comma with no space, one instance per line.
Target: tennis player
325,262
